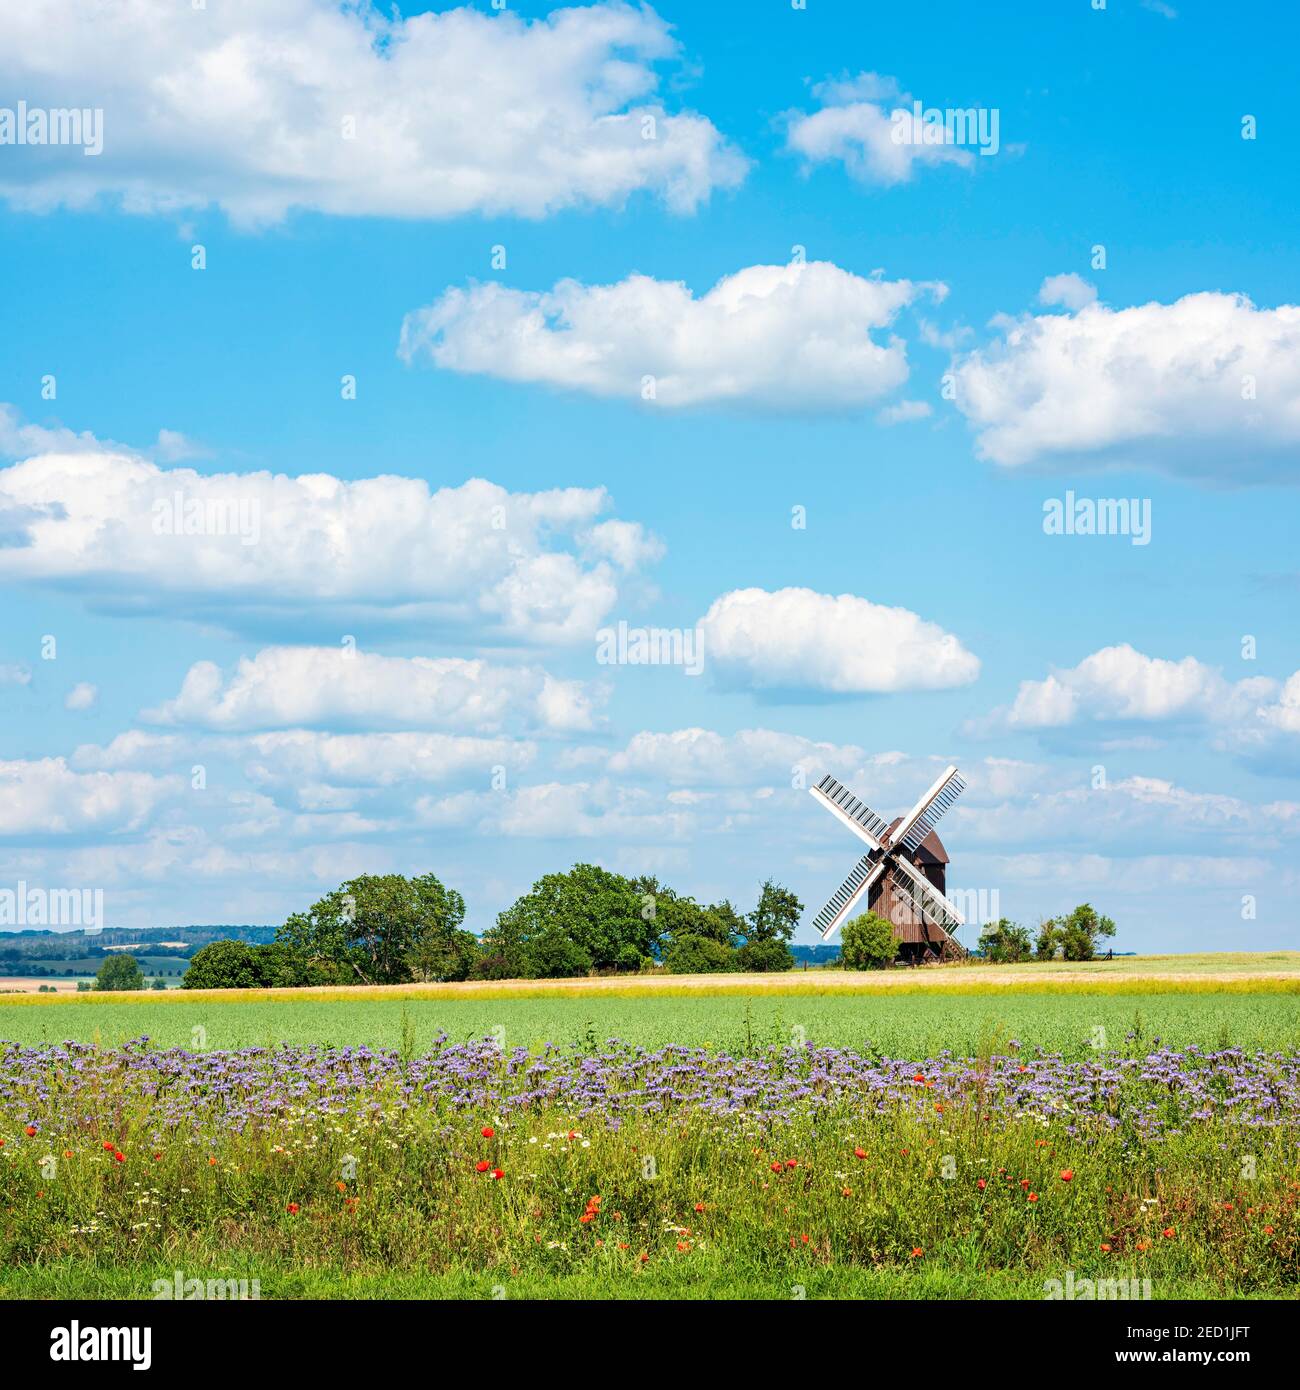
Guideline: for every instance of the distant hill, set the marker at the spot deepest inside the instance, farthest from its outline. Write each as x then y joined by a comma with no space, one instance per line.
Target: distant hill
815,955
19,949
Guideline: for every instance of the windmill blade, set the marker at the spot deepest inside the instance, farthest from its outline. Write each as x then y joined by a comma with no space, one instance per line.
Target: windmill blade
856,814
865,872
922,818
925,898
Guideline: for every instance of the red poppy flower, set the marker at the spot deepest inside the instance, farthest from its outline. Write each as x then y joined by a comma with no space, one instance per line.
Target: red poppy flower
488,1131
699,1206
1033,1196
804,1239
108,1147
119,1157
917,1252
1168,1233
859,1153
497,1173
1105,1249
776,1167
293,1208
1268,1230
1067,1174
482,1165
981,1184
586,1217
30,1131
791,1163
919,1079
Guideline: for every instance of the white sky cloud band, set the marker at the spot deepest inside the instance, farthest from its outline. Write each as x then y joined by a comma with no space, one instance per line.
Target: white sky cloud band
293,687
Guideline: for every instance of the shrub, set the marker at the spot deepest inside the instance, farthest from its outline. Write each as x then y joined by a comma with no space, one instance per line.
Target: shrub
1005,943
698,955
868,943
768,954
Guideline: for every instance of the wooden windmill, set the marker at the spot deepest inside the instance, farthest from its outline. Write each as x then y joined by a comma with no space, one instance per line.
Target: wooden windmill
901,877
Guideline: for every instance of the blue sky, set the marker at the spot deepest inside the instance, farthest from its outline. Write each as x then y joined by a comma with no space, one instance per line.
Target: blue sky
921,616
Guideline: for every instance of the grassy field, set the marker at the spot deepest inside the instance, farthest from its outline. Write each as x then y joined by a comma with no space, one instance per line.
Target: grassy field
904,1025
1248,1001
834,1175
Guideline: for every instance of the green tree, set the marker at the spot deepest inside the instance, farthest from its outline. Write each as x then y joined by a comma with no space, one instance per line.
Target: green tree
698,955
1080,932
1005,942
119,971
224,965
158,983
775,917
574,922
867,942
383,929
1047,945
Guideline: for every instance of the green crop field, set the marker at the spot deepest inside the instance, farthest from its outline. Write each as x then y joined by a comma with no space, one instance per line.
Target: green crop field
905,1024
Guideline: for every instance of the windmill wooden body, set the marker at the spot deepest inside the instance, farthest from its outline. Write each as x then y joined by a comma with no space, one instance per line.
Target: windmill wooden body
903,875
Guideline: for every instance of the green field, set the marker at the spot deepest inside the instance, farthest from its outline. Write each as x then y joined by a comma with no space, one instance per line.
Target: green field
387,1197
912,1025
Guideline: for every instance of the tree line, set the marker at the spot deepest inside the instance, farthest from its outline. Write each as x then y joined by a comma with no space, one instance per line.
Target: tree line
383,929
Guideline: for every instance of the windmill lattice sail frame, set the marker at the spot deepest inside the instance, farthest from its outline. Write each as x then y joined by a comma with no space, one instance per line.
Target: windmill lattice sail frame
889,855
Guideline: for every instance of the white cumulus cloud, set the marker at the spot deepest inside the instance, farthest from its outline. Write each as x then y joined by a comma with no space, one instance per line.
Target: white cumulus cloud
1208,386
287,687
799,640
1120,683
773,337
46,797
252,551
263,106
867,123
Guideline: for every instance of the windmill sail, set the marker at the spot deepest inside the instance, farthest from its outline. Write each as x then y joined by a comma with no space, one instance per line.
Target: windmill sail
856,814
865,872
924,898
923,817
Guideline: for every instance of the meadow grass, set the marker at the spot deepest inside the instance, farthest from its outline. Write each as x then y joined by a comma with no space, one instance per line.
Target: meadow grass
384,1199
977,1203
707,1278
900,1024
